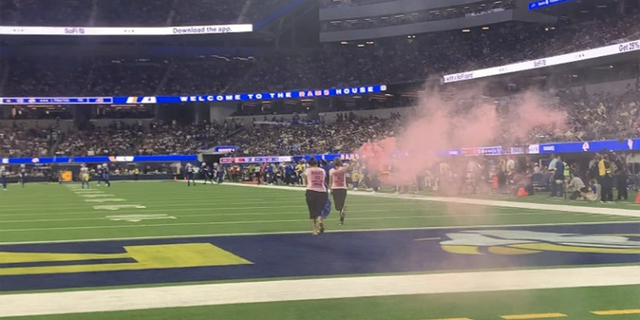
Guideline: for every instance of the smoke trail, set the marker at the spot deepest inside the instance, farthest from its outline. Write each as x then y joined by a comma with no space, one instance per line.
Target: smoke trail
441,125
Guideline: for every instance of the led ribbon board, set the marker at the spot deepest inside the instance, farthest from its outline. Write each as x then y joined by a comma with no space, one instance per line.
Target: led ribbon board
544,3
545,62
300,94
124,31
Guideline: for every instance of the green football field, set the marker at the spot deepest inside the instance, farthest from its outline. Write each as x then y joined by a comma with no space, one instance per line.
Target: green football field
43,225
42,212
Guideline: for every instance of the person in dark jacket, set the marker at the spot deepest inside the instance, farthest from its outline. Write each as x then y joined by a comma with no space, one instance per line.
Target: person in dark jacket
622,175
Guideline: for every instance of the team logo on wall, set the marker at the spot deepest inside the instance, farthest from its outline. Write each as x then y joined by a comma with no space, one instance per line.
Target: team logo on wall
521,242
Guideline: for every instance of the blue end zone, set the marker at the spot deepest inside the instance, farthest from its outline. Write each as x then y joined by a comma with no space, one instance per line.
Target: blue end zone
346,253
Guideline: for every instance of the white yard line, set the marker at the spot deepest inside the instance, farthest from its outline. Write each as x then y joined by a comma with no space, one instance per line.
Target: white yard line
311,289
297,213
493,203
275,203
422,216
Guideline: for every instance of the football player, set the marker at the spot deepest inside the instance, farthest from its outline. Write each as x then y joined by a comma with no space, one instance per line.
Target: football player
190,175
84,176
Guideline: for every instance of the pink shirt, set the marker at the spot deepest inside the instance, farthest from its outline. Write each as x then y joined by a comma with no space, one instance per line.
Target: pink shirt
338,178
315,179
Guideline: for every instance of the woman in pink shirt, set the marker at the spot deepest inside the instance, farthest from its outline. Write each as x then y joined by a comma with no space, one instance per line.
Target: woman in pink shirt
316,194
338,183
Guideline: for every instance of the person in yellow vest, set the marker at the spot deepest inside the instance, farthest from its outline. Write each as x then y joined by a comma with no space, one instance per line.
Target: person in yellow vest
84,176
605,178
136,174
299,170
356,177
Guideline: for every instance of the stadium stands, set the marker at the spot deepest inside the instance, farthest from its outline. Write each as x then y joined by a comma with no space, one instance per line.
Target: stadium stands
592,117
137,139
478,8
338,3
140,13
388,61
21,142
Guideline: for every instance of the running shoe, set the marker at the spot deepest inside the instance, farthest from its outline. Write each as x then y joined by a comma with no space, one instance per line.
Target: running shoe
343,213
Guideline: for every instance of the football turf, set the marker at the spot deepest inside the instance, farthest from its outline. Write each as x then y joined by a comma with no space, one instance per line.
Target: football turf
42,212
58,213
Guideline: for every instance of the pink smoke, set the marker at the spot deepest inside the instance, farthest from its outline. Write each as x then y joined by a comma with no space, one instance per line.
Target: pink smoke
442,125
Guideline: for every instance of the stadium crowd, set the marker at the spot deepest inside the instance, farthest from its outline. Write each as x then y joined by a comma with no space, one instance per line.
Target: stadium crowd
140,13
591,117
19,141
344,135
340,3
386,20
395,60
137,139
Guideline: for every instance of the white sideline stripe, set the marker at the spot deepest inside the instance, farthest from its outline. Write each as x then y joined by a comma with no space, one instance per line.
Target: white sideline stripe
494,203
422,216
485,226
531,212
276,203
311,289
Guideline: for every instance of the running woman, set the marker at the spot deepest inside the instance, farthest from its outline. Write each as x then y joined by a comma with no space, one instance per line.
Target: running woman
316,195
338,183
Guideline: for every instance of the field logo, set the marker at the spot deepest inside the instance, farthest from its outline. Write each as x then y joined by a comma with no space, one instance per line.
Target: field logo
520,242
135,257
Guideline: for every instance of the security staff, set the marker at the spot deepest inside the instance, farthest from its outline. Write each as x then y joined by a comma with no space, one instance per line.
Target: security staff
605,178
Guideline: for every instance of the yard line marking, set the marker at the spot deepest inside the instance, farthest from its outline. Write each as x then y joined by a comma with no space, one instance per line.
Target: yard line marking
427,216
428,239
493,203
174,204
251,222
183,199
139,217
97,195
179,204
534,316
105,200
31,304
206,223
331,231
84,212
616,312
117,207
